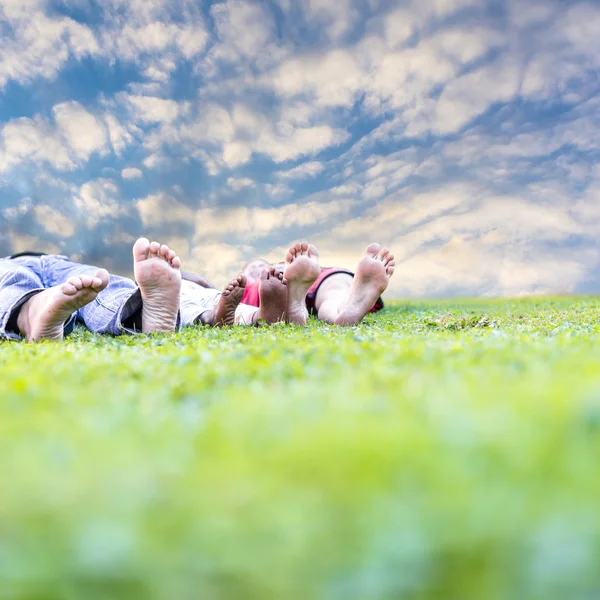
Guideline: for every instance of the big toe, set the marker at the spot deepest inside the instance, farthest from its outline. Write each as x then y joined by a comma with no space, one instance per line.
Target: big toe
373,249
264,274
312,250
141,249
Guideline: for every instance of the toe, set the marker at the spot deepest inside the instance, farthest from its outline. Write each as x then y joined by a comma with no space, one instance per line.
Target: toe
164,251
304,247
75,282
390,271
289,258
383,254
233,284
264,274
86,280
154,249
242,280
176,262
389,258
104,277
141,249
171,255
298,248
69,289
312,250
373,249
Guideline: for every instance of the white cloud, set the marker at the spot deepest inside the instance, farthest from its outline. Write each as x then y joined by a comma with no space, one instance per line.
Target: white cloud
64,143
35,45
32,140
469,96
149,109
160,208
119,136
53,222
239,183
337,18
82,131
98,200
303,171
244,31
131,173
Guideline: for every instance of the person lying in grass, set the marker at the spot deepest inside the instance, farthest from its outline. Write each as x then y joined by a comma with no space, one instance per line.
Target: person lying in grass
292,290
42,296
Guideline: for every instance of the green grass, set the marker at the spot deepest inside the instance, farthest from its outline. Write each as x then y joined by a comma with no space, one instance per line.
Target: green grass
445,450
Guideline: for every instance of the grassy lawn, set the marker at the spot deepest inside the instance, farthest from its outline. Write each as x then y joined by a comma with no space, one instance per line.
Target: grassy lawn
439,450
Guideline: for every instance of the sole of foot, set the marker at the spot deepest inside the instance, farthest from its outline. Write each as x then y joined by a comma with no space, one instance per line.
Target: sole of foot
371,279
224,314
273,294
44,316
158,275
301,271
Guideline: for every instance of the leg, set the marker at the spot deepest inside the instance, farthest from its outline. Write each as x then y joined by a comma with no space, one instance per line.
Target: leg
273,294
115,310
158,275
301,271
18,284
370,281
330,296
151,305
46,313
224,312
38,312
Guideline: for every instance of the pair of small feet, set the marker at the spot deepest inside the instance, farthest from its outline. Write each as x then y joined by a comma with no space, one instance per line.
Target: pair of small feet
282,296
157,273
272,292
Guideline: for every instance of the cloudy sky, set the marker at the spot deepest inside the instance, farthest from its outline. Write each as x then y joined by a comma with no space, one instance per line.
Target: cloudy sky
463,134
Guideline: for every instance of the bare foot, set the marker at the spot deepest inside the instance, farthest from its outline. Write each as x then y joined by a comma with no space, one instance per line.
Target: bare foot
273,294
370,281
231,296
158,275
301,271
45,315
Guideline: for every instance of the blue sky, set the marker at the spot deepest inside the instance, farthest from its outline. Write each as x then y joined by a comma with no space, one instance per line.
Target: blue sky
462,134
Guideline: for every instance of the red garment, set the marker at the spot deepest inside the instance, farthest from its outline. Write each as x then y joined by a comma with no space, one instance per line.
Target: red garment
252,298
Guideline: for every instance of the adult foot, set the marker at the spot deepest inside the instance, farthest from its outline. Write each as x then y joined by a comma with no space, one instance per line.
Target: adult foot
158,275
370,281
273,294
224,313
44,315
301,271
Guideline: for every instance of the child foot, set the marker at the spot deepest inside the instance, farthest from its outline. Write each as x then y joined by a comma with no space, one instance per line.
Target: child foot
44,315
301,271
273,294
158,275
370,281
224,313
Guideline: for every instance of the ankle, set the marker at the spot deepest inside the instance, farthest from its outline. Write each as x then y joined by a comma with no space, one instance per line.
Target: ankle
22,320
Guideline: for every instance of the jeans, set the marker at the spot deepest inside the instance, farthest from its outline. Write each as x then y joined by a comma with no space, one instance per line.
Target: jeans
116,310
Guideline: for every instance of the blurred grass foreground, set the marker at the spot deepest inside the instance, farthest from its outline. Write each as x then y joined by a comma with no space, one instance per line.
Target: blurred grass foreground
443,450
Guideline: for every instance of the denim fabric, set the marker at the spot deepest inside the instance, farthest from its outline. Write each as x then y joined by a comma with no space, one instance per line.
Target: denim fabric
116,309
